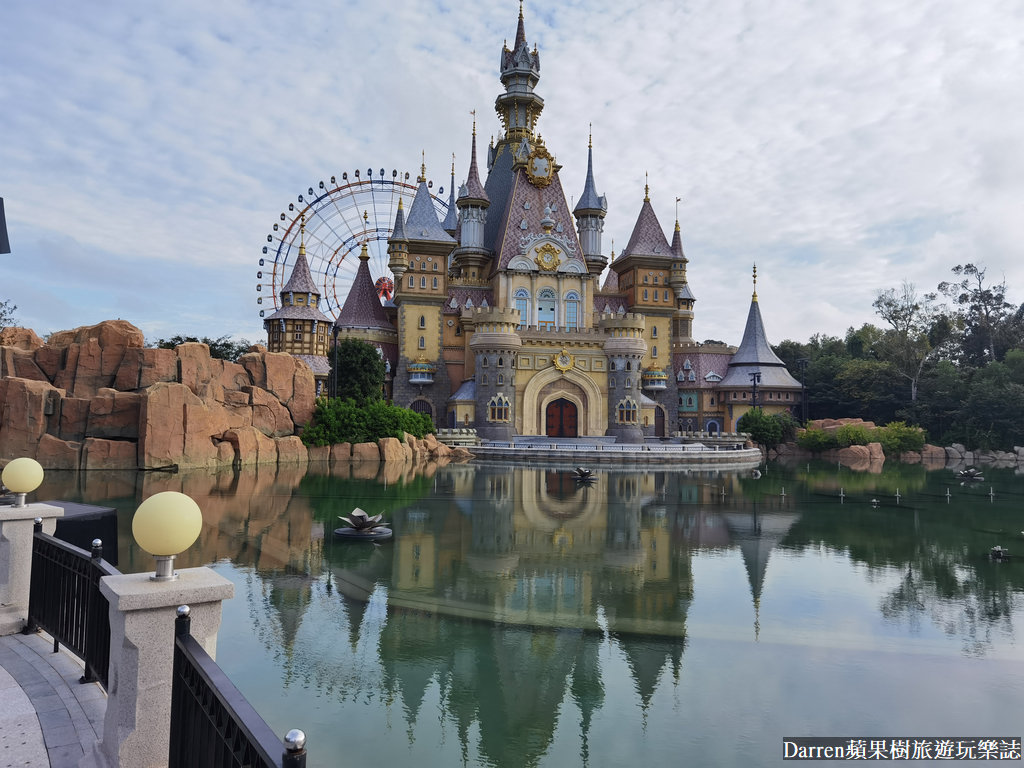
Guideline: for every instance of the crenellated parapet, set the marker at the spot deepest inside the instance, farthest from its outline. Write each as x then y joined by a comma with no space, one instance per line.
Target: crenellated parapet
494,328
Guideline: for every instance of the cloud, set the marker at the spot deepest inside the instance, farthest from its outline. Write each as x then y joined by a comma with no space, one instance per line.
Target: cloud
843,148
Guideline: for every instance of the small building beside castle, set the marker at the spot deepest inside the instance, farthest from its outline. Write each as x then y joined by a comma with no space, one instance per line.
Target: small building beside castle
500,320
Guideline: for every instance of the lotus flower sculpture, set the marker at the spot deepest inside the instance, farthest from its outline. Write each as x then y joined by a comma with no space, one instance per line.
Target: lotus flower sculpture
584,476
363,526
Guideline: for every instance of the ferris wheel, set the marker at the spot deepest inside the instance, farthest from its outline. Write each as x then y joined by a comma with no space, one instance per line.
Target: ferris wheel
339,217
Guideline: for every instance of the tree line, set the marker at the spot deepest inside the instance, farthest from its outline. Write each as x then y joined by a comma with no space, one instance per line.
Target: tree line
950,361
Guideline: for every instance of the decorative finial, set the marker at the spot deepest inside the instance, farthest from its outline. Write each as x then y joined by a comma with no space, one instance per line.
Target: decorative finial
364,254
453,163
755,283
590,141
520,10
302,235
473,113
647,189
423,169
366,218
613,249
400,204
678,199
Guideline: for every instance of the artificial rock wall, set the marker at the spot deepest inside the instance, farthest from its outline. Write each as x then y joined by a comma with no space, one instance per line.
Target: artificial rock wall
96,398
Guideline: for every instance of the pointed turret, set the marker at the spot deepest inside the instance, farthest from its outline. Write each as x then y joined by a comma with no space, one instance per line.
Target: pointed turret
519,107
755,356
647,238
398,245
682,323
473,203
299,327
451,219
423,223
590,212
362,308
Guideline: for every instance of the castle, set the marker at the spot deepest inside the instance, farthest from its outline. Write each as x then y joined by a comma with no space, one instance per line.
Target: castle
499,319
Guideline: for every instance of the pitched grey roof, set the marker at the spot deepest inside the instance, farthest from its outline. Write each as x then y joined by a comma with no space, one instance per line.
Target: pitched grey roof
318,363
685,293
301,281
755,355
398,231
677,243
451,217
362,307
647,238
473,191
466,393
422,223
291,312
590,201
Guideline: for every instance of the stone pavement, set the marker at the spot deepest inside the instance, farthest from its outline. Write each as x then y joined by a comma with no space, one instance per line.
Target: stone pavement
47,718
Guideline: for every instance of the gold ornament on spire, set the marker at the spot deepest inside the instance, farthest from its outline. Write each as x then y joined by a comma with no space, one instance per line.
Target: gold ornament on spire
678,200
590,141
423,169
755,283
302,235
647,189
364,254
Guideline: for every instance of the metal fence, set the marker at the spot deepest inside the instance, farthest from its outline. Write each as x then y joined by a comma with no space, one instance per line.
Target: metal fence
65,600
212,724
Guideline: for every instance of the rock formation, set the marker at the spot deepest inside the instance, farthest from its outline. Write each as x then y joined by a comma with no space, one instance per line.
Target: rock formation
96,398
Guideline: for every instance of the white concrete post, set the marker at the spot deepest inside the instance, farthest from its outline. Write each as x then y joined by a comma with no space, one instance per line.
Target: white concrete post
142,612
16,560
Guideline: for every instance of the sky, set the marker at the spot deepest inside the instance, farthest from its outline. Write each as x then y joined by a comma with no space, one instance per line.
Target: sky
146,149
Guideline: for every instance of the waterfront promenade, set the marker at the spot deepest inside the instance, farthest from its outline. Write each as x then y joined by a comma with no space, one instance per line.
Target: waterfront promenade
47,717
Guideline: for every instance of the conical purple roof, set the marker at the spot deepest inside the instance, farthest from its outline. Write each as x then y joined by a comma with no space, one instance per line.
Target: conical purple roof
362,307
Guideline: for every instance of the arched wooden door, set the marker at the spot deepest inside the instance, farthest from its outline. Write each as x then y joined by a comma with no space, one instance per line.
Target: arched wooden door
659,422
560,418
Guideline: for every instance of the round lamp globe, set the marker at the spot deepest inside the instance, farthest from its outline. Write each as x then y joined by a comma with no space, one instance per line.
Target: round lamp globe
22,475
167,523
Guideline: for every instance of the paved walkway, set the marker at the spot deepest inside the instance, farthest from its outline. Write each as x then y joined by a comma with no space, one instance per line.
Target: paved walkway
47,718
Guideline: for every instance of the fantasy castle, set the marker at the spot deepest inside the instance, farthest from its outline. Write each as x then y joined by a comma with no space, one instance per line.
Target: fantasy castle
499,320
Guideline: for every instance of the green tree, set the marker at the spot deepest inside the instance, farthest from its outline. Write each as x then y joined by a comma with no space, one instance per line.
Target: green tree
918,328
221,348
983,312
359,371
763,429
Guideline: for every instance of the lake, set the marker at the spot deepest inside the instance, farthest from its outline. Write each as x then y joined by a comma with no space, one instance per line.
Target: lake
654,618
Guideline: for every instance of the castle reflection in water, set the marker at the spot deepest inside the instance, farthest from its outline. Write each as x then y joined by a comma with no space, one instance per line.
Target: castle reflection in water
500,584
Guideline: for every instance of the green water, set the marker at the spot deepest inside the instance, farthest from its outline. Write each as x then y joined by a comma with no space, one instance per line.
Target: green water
655,618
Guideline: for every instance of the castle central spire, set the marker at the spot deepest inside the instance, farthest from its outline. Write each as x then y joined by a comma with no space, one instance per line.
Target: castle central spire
519,107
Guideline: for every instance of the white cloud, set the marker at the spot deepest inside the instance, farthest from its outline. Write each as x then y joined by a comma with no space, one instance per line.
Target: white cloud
147,149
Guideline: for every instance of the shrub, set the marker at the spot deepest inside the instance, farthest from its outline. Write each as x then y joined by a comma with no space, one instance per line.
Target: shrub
763,429
343,421
816,440
898,437
852,434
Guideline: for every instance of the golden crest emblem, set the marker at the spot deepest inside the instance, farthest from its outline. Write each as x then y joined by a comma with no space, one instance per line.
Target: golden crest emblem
547,257
563,361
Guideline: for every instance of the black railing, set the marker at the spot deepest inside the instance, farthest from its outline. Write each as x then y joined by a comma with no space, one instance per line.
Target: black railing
212,724
65,600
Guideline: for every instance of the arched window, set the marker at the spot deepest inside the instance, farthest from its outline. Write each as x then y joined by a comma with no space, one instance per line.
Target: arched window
666,295
611,366
546,301
521,299
435,280
412,281
435,266
423,282
423,342
423,321
498,408
572,310
501,378
629,366
611,383
645,294
654,332
501,362
654,353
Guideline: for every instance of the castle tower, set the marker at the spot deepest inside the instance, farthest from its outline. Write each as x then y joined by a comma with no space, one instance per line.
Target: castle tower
471,256
590,212
625,349
363,317
451,218
645,269
419,249
494,346
519,107
756,375
682,324
299,327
